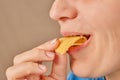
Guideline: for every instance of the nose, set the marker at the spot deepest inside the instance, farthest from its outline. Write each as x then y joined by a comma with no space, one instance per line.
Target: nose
62,10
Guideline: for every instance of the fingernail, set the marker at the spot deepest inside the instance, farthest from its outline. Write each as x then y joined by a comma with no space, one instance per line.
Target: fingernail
50,54
42,68
53,41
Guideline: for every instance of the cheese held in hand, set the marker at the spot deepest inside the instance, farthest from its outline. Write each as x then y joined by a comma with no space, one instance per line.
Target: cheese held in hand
67,42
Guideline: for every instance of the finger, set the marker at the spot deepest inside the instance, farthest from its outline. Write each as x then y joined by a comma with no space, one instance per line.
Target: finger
41,53
50,45
25,69
34,55
33,77
44,77
59,70
49,77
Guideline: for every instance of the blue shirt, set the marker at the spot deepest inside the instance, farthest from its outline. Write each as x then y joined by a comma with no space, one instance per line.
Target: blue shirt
71,76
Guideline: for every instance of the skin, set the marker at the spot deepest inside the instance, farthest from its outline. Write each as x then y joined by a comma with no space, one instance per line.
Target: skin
100,58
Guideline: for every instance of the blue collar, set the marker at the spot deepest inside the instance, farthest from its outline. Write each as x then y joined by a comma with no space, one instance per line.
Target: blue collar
71,76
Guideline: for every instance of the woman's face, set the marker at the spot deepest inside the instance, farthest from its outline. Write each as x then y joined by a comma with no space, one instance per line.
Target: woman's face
101,18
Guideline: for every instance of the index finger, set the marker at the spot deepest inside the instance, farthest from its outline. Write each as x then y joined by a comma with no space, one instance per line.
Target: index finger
50,45
43,52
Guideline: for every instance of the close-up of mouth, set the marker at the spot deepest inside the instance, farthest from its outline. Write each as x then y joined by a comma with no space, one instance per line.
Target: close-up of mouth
83,42
72,42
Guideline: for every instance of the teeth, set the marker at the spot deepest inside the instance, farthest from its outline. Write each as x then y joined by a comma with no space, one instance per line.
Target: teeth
87,36
67,42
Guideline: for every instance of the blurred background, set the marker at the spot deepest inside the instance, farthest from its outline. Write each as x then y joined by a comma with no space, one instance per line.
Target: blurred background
24,24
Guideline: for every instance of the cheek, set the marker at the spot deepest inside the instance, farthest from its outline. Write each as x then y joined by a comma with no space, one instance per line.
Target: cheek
100,13
104,21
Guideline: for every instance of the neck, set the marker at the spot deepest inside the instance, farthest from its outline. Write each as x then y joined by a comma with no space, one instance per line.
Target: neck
114,76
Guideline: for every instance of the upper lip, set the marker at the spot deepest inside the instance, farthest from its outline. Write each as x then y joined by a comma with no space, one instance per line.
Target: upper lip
87,35
74,33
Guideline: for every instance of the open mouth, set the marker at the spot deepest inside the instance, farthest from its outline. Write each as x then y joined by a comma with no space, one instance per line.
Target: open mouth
85,35
72,43
83,39
81,43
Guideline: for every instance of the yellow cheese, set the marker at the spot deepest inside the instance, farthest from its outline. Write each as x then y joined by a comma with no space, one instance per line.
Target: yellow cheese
67,42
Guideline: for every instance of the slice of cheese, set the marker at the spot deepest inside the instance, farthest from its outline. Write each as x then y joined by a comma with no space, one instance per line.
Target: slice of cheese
67,42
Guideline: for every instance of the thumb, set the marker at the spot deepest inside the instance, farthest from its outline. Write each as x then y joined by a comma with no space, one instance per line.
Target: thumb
59,68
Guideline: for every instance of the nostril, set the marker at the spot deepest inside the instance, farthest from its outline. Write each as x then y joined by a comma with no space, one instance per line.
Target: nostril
63,18
64,15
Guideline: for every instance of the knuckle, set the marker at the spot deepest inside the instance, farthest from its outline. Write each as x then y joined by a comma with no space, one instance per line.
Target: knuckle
30,64
18,58
8,70
15,61
38,53
30,67
37,50
9,73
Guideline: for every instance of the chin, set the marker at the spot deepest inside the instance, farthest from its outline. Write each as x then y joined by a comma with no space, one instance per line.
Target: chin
85,71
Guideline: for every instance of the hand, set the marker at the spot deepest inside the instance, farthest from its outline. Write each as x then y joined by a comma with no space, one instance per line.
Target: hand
28,65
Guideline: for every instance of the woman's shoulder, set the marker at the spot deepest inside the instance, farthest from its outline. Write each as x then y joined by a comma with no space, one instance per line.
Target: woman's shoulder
71,76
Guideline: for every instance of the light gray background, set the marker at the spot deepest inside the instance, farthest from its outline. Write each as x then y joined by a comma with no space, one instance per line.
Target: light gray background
24,24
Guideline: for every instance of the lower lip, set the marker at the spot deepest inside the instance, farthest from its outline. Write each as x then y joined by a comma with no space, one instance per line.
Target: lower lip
78,48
